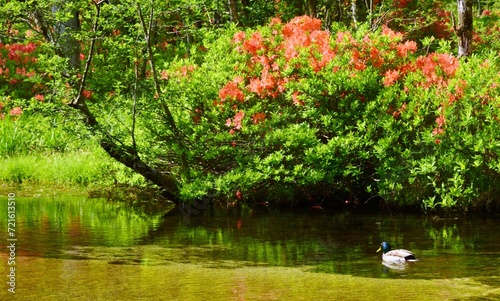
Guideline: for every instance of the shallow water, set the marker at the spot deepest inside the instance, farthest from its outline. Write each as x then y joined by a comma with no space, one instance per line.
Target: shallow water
73,248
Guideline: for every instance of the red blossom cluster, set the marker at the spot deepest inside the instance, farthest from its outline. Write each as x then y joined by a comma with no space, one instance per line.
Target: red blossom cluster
440,120
377,53
14,112
301,46
236,122
19,53
40,97
301,37
386,31
390,77
258,117
254,44
16,56
406,47
231,91
183,71
18,63
304,33
437,69
431,64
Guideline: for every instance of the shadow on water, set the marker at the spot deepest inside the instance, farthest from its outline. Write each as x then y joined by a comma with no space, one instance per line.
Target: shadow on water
118,234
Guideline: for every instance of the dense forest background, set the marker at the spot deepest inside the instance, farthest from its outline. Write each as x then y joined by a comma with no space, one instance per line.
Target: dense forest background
288,102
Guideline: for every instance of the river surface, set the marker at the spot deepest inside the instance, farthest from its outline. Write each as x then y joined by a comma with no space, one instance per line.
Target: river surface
76,248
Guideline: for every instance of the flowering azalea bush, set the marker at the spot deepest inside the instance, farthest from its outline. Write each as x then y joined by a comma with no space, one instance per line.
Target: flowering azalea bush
20,77
293,112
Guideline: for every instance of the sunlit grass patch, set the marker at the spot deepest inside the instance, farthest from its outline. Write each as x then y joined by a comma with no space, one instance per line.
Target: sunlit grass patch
72,168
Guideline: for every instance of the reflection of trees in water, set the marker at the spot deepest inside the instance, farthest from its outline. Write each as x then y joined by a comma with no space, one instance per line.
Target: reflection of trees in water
332,242
446,237
463,234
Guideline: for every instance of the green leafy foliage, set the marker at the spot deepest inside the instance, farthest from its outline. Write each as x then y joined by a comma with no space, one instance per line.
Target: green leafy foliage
307,114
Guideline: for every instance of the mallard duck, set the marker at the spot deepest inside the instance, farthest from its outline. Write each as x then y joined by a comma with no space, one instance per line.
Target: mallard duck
395,256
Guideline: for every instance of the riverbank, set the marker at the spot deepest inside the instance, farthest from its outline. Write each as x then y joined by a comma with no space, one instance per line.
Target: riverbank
86,172
126,193
91,172
52,160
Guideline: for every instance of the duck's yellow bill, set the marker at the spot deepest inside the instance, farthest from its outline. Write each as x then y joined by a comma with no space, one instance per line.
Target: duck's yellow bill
380,248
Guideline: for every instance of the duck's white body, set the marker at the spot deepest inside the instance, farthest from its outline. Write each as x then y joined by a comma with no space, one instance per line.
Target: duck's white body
396,256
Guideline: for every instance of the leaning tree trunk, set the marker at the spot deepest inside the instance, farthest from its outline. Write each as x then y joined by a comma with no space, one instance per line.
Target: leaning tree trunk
121,152
464,30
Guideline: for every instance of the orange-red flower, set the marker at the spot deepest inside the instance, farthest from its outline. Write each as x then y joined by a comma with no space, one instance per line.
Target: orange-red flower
87,93
296,99
386,31
238,37
17,111
258,117
447,62
231,91
40,97
254,44
301,23
237,119
391,76
408,46
440,120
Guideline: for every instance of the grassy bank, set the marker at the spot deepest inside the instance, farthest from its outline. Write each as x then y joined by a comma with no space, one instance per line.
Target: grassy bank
73,168
39,153
75,172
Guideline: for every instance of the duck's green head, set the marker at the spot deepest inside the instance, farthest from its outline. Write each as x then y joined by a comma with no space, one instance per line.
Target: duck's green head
385,247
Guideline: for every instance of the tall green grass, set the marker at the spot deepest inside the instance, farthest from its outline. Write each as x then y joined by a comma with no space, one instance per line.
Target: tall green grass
73,168
35,134
45,150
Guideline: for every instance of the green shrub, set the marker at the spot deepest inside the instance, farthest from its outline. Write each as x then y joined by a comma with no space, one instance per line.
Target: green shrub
296,113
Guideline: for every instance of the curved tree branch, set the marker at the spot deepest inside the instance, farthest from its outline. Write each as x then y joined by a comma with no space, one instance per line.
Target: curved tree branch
122,153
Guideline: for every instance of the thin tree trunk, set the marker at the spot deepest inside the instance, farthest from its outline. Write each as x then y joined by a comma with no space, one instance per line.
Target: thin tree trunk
68,45
354,12
244,10
464,30
166,110
312,8
299,6
40,23
233,10
337,11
